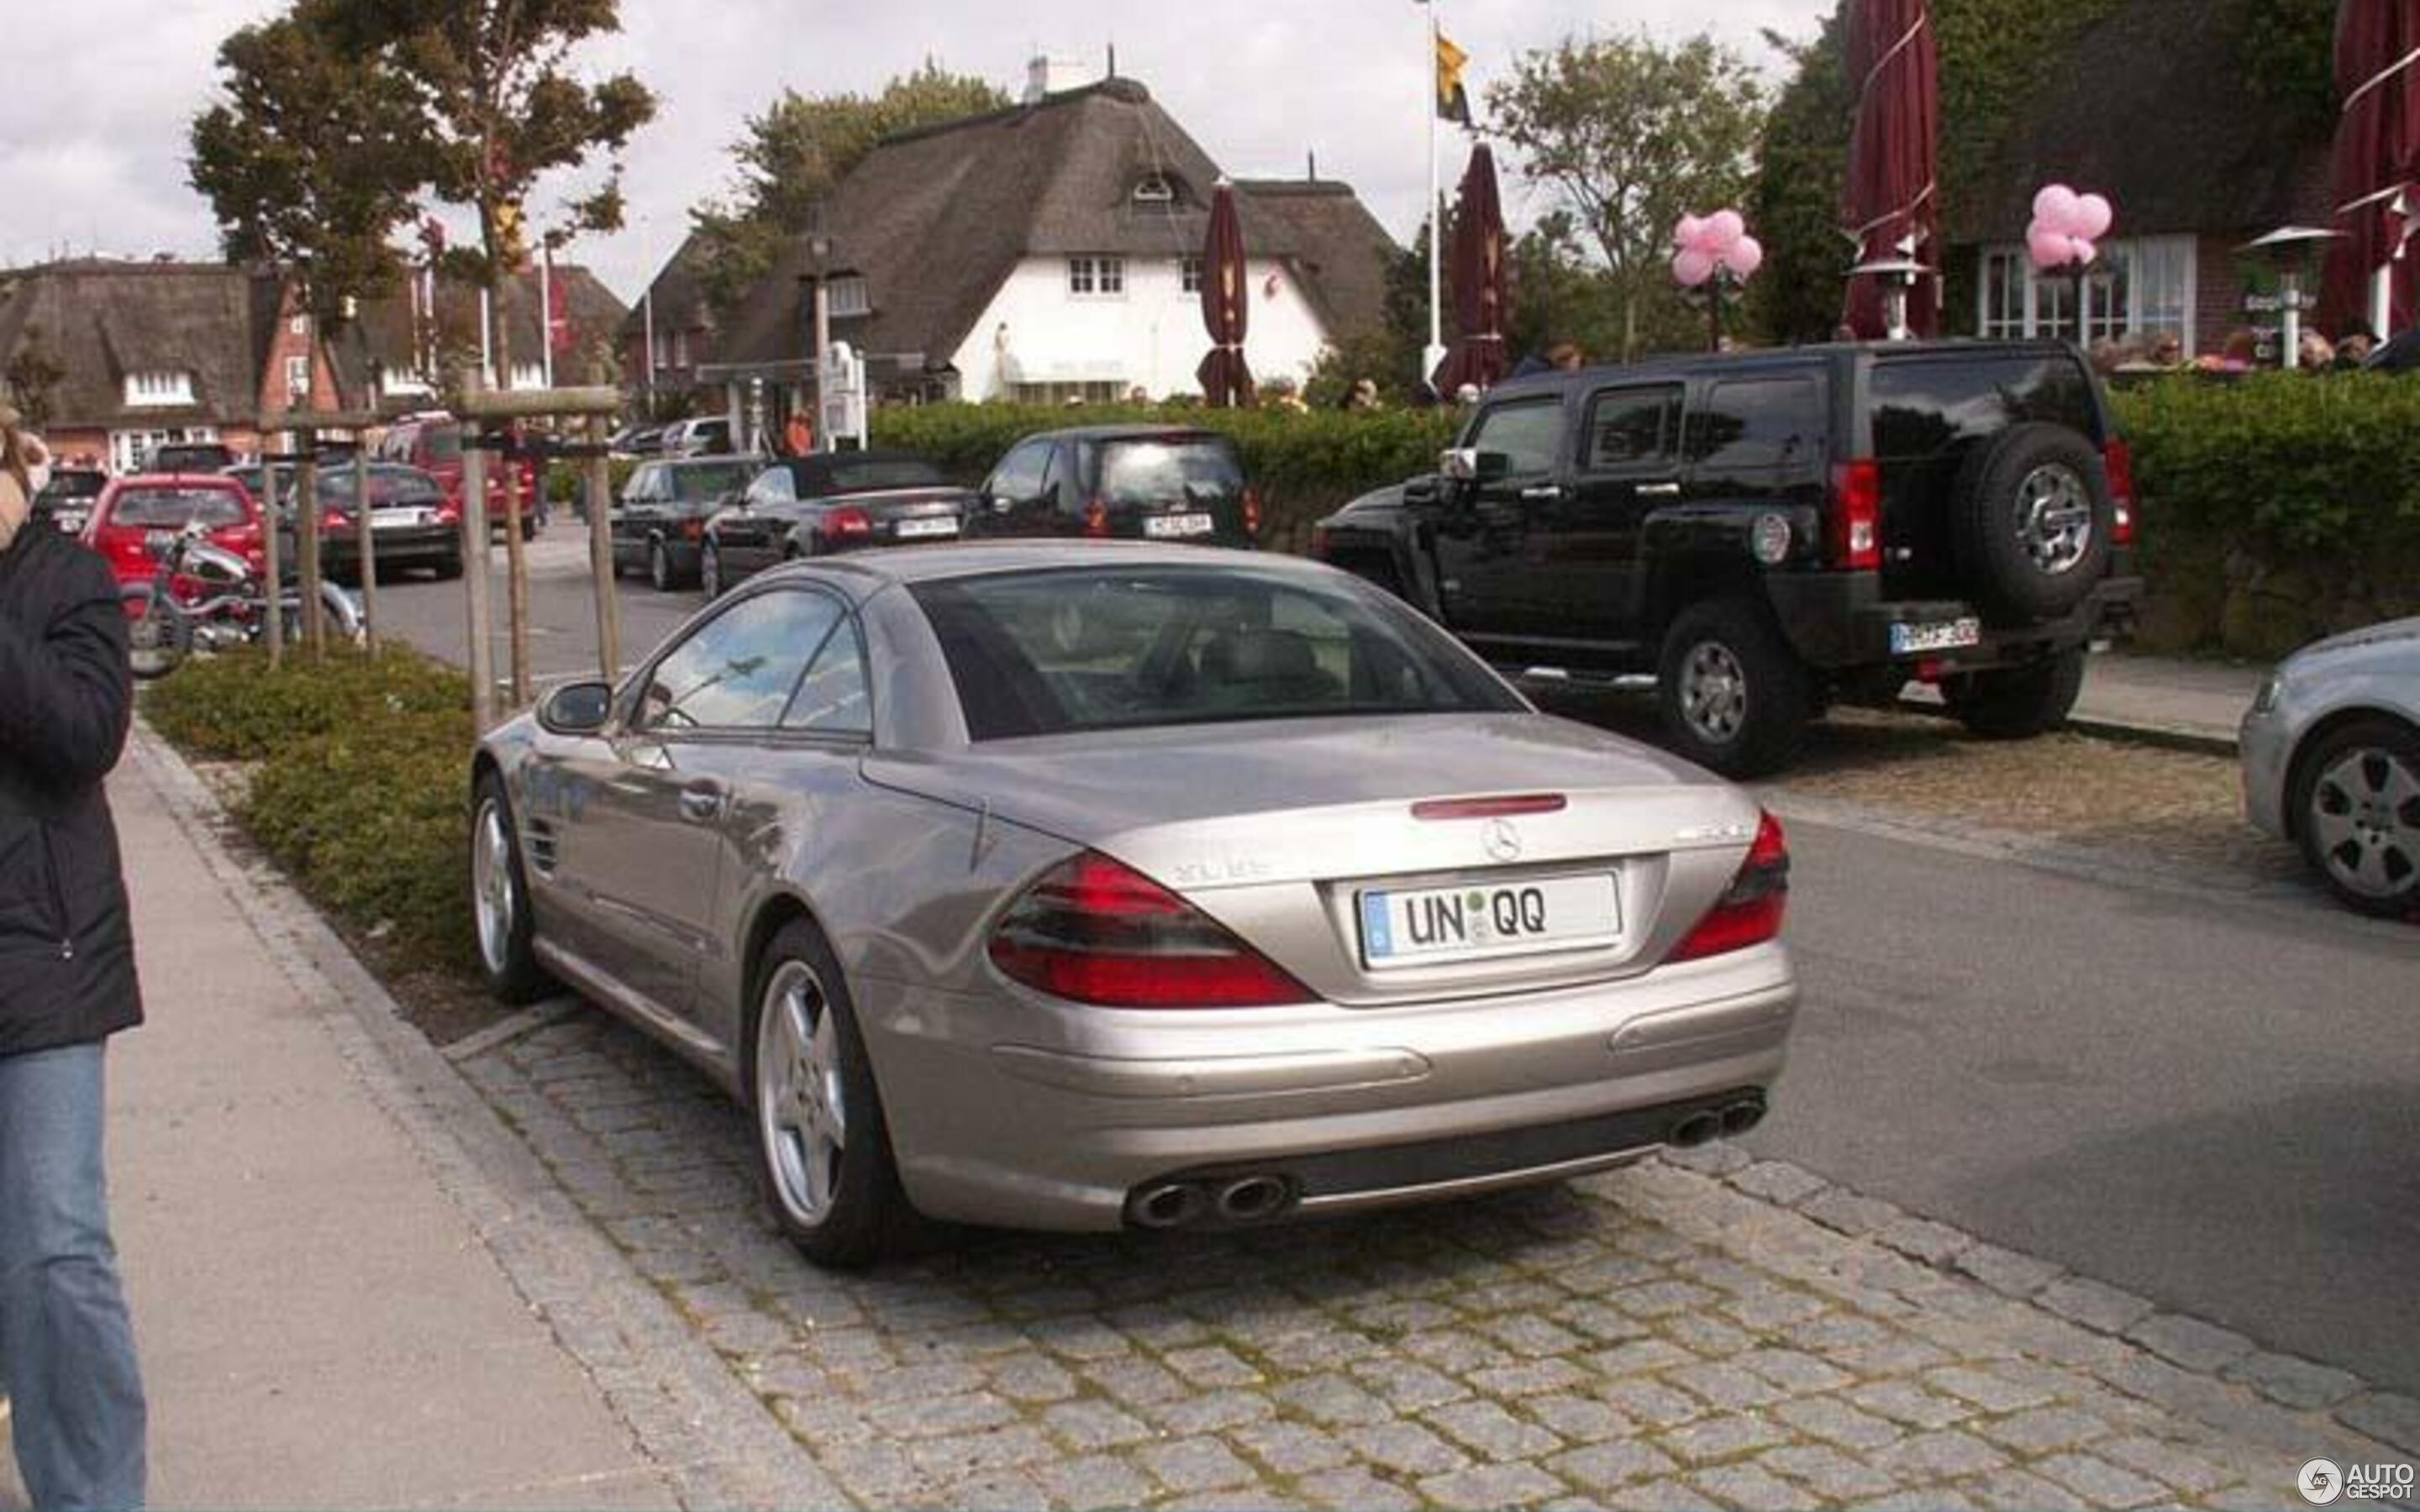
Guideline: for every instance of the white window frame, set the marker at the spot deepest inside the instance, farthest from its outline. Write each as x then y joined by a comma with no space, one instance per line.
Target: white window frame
159,390
848,296
1097,275
1188,275
128,448
298,374
1155,188
2042,305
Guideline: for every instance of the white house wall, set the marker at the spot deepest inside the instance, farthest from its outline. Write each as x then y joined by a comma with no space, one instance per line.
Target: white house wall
1150,334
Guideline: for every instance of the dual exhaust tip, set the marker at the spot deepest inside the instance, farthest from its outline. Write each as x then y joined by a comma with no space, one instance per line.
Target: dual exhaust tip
1708,1124
1219,1202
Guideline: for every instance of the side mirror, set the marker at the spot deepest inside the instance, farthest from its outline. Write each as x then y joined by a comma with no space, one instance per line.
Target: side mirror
1458,464
577,708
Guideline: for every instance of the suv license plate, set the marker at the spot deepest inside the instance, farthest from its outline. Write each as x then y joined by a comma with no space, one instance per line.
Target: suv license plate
1427,926
1163,526
911,530
1948,635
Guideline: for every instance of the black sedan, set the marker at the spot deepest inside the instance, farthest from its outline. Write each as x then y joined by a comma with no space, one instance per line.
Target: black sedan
412,524
662,514
807,506
68,499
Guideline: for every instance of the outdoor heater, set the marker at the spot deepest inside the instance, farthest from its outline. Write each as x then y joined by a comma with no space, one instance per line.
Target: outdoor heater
1898,278
2291,249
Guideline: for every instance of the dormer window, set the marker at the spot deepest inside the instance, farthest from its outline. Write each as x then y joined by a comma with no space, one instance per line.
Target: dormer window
158,390
1155,188
849,296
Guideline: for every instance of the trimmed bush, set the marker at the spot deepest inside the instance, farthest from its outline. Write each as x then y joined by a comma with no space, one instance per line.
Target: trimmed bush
360,790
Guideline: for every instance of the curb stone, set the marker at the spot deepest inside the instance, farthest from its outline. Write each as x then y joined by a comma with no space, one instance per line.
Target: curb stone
2190,1345
715,1443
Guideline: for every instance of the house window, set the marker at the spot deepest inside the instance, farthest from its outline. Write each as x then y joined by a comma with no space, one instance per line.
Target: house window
297,374
1188,273
129,450
1091,392
2138,289
680,349
158,390
848,296
1096,275
1155,188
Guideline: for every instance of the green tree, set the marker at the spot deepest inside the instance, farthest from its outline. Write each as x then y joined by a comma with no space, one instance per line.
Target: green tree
499,105
791,155
1631,135
1795,203
2288,56
309,162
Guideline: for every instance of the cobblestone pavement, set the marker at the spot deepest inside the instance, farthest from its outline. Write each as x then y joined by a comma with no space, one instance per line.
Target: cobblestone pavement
1727,1334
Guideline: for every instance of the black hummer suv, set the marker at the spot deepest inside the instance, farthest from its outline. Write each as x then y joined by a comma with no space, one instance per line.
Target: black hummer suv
1769,531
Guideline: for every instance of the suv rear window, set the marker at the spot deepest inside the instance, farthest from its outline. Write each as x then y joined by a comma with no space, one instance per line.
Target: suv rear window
1924,406
1759,423
1173,469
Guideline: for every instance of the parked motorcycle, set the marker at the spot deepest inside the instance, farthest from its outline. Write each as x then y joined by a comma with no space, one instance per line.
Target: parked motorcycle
202,597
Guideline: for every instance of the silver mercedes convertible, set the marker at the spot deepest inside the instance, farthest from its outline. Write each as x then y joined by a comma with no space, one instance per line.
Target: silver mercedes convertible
1087,887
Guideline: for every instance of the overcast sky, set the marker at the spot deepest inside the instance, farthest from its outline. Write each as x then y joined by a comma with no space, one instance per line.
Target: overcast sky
93,119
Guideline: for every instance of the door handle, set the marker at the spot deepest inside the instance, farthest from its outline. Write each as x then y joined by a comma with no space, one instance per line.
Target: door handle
1659,490
702,802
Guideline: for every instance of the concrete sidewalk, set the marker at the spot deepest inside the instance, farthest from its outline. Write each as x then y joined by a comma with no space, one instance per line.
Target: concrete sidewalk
2197,703
321,1320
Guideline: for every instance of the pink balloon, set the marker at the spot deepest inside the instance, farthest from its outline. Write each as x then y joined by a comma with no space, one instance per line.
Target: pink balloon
1745,256
1687,232
2082,249
1693,266
2092,217
2054,207
1724,228
2050,249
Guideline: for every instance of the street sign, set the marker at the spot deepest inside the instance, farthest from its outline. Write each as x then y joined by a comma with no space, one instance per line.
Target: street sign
840,378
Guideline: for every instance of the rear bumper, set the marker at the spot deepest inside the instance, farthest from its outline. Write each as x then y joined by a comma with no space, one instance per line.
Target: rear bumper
1840,621
402,547
1038,1115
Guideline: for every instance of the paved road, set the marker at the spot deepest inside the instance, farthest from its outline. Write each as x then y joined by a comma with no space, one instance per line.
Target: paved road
2210,1101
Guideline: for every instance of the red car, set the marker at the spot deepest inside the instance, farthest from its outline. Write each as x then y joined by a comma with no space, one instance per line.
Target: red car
138,513
433,443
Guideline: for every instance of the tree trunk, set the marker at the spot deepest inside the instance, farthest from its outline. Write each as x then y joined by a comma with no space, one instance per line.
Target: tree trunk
1630,326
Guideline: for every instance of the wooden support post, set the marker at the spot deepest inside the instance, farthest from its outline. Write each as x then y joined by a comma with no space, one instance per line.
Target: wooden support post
607,587
516,580
474,562
273,595
306,533
365,537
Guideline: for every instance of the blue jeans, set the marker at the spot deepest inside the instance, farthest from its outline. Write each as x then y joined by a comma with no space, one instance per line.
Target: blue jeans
67,1349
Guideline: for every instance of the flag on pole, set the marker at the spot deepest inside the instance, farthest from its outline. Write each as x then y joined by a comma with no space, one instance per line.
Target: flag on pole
1453,99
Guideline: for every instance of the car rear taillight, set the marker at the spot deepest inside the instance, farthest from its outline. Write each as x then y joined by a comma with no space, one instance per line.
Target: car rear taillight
1319,543
1749,911
849,524
1506,807
2118,459
1091,930
1096,519
1252,512
1856,538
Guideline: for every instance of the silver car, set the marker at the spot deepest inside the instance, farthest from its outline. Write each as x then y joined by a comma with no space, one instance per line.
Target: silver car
1087,887
2330,753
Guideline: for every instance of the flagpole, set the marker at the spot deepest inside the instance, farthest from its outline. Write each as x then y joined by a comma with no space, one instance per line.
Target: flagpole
1436,353
545,312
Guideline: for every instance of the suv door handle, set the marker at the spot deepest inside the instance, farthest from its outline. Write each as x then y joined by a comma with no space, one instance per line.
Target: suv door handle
1659,490
701,802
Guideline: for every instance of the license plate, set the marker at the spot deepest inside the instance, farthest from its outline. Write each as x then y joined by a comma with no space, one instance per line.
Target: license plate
1947,635
1163,526
917,530
1428,925
158,542
397,519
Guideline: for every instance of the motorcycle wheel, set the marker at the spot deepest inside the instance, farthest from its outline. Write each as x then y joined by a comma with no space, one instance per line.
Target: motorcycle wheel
158,638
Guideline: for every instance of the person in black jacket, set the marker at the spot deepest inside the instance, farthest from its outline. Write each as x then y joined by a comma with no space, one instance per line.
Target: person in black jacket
67,984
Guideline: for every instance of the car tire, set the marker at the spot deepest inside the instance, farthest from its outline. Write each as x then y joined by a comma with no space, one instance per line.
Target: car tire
2017,703
709,570
1732,694
822,1149
449,568
659,567
2031,522
2355,800
501,920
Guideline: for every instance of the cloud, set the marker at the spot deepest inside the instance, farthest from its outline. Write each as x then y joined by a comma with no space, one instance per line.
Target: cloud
96,136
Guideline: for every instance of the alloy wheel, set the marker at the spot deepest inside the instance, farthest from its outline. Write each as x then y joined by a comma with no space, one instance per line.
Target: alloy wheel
493,897
709,571
660,568
2365,817
1713,692
801,1114
2055,518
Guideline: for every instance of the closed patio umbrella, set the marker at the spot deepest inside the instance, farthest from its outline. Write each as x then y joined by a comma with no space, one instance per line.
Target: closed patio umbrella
1890,204
2376,162
1480,307
1226,305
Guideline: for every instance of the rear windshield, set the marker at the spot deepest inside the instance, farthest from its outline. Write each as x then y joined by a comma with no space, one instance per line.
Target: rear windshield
1182,471
389,486
171,508
1928,405
691,485
1100,648
877,473
66,485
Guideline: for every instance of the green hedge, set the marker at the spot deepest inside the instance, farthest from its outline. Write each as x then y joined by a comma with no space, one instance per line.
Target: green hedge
2276,507
1306,463
361,788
